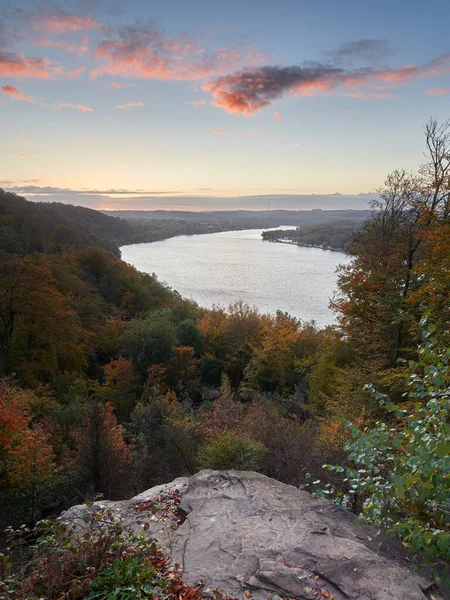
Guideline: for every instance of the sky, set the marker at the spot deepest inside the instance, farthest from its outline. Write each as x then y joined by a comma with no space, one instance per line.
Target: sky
145,104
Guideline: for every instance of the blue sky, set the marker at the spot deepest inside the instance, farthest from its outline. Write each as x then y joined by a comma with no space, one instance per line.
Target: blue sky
216,99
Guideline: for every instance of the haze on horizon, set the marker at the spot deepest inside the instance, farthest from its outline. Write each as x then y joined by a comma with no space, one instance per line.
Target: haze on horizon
209,106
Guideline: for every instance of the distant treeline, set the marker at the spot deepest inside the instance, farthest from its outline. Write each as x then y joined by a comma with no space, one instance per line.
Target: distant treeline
338,235
50,227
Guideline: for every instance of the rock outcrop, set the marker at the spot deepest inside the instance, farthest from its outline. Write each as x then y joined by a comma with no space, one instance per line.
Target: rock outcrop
244,533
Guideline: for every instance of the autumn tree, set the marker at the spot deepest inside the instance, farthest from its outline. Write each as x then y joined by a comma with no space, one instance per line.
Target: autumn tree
104,458
281,356
374,309
120,386
27,466
39,332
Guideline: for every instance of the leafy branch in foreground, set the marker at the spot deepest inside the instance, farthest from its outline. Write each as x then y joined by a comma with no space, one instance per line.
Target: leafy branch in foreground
401,467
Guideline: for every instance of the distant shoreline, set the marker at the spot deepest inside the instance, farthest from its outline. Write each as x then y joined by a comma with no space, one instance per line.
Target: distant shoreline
300,245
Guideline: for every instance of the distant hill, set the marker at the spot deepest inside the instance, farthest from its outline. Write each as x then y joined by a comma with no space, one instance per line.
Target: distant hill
27,227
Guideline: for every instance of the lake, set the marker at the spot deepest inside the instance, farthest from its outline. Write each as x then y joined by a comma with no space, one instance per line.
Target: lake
221,268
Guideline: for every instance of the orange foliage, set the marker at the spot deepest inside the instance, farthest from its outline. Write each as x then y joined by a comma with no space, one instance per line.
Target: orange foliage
119,373
213,327
26,457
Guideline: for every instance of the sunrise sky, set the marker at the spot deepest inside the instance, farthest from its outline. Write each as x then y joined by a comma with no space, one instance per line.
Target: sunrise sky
209,99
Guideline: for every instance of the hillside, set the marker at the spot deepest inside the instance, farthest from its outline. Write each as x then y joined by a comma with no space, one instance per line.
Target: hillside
27,227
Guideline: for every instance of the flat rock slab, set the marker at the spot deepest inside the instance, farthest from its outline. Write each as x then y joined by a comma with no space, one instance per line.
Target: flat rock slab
245,530
253,537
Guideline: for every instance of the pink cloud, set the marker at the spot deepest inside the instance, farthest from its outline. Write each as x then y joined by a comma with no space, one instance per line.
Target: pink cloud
199,102
143,52
117,85
278,117
248,91
367,95
16,94
129,105
217,132
22,67
17,65
84,108
74,73
80,107
437,66
78,48
62,22
439,91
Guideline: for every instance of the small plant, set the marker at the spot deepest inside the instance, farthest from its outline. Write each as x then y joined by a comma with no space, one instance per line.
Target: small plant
101,560
231,451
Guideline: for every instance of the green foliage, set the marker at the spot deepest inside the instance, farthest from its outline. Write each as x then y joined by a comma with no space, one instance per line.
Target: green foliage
189,335
402,466
149,341
230,451
162,446
99,560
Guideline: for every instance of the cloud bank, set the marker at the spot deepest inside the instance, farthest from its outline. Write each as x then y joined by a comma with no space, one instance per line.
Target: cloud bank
165,200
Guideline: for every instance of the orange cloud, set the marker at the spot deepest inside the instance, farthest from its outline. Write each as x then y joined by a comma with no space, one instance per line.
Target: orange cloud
24,155
84,108
62,22
278,116
14,93
217,132
17,65
80,107
439,91
117,85
22,67
199,103
129,105
248,91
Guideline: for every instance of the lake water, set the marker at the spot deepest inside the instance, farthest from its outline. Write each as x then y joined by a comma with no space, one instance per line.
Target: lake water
221,268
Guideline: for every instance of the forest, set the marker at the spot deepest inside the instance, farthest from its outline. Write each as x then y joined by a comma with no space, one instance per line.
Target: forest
335,235
112,383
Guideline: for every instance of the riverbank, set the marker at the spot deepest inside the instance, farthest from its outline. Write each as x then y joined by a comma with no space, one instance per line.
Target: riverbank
337,236
302,245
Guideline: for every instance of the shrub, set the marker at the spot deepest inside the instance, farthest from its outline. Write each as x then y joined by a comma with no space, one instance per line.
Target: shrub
100,561
229,451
